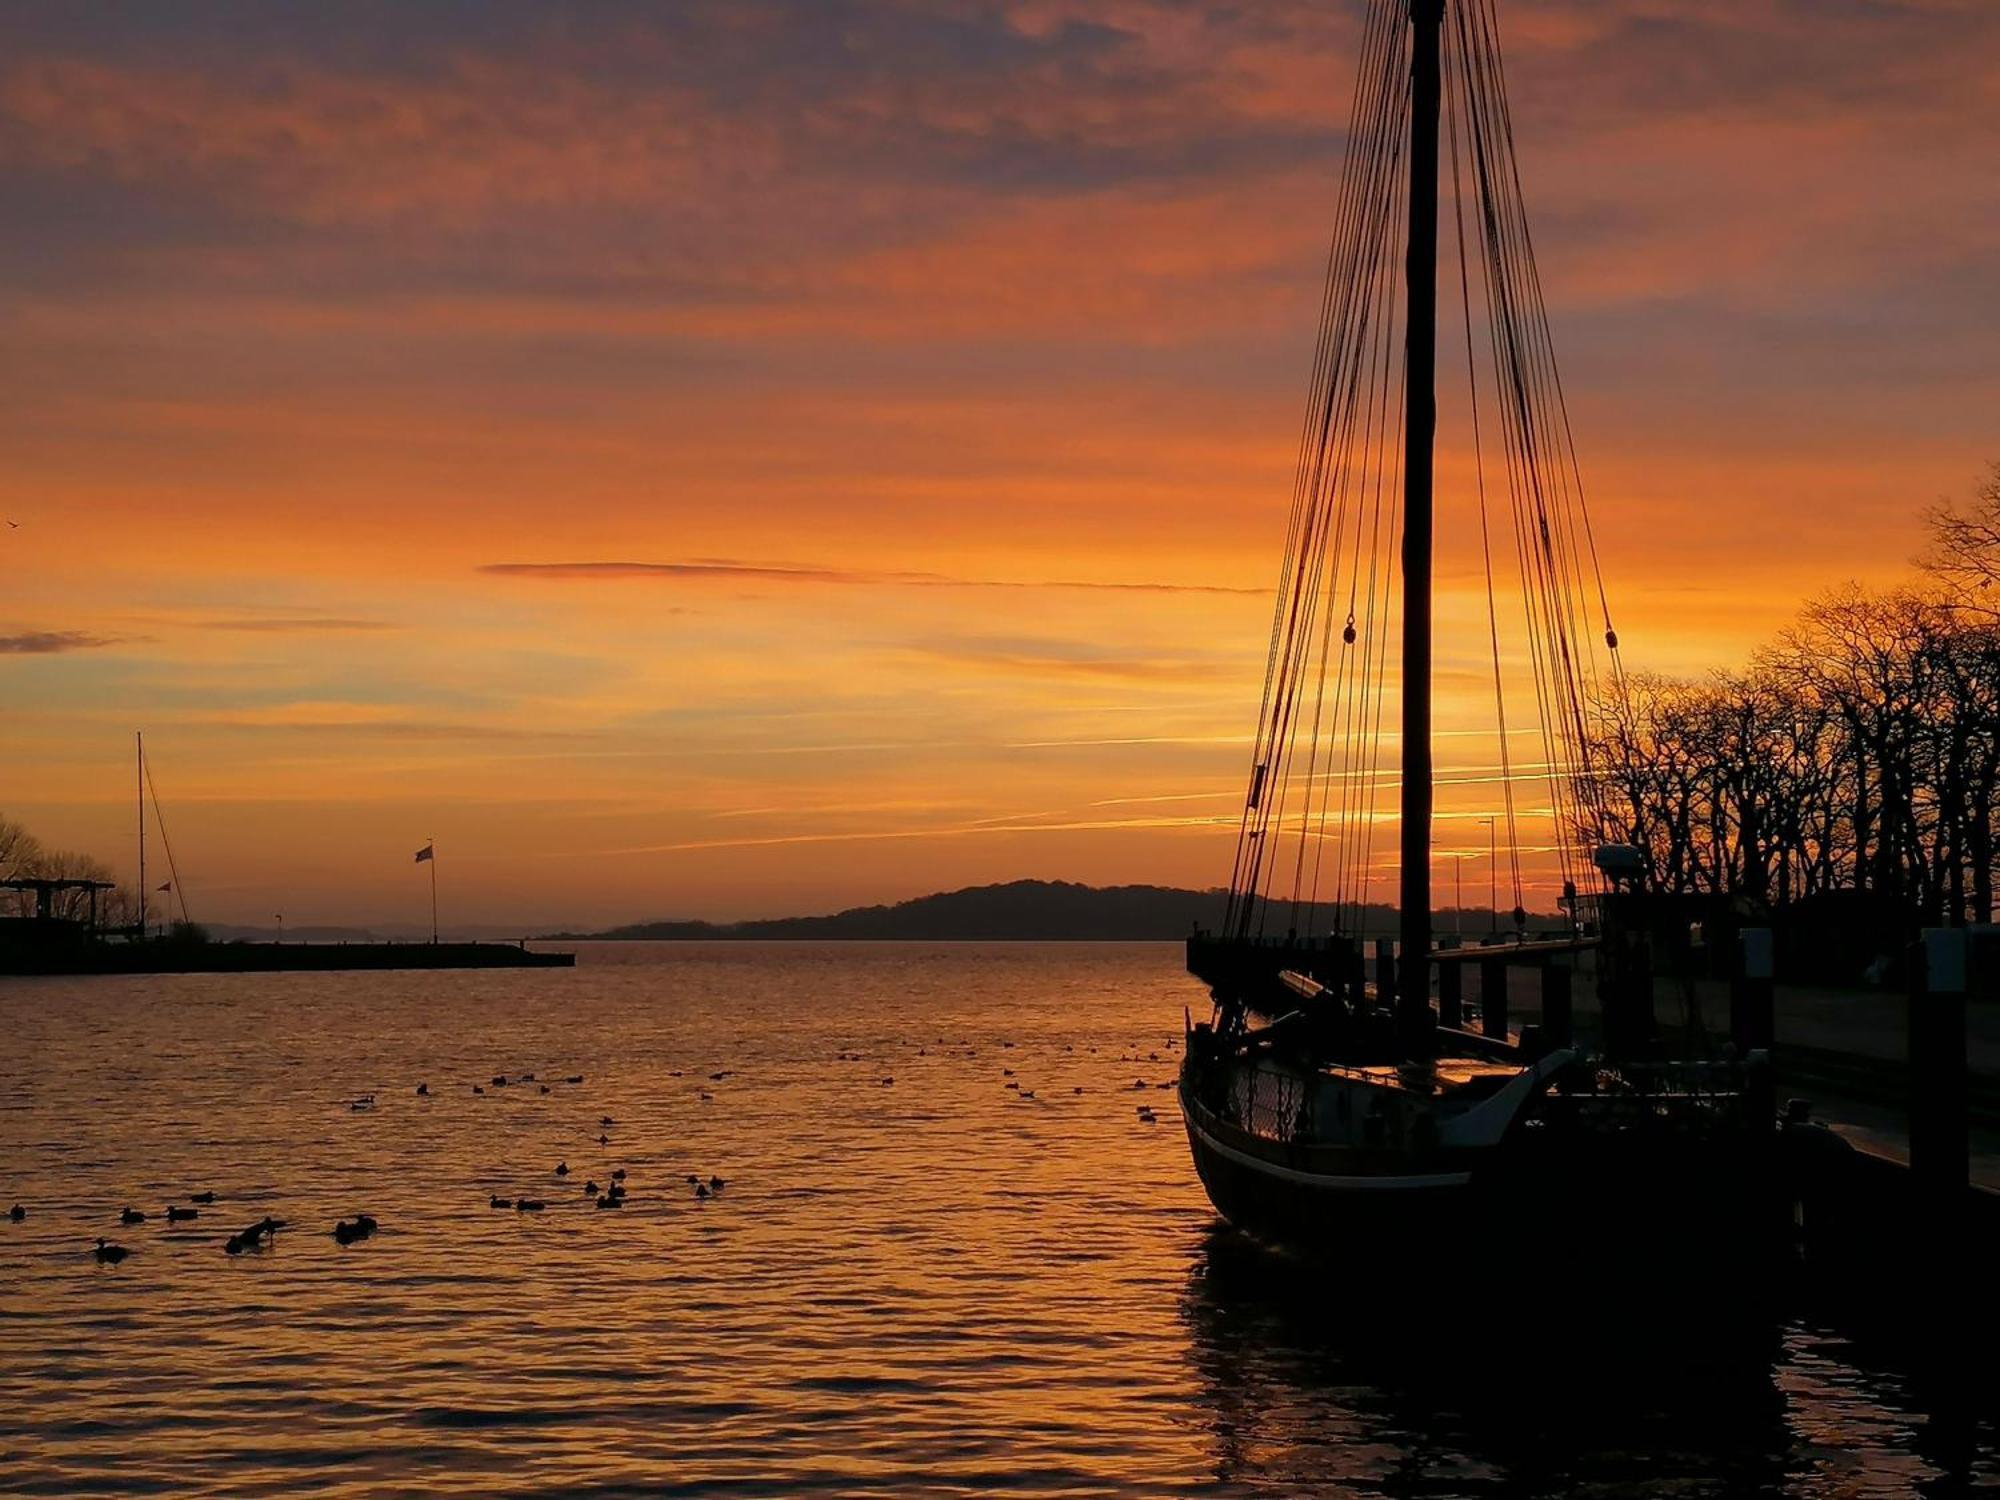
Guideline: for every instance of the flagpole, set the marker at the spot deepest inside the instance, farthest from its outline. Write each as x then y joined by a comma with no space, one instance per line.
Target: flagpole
432,846
139,760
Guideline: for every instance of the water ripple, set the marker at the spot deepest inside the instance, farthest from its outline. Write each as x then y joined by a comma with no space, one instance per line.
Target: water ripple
929,1287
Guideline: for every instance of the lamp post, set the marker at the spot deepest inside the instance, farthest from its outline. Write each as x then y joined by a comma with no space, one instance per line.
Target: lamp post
1492,874
1457,858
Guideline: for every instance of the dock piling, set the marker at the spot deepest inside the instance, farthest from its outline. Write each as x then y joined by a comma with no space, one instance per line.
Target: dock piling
1451,995
1385,972
1493,997
1558,1027
1940,1147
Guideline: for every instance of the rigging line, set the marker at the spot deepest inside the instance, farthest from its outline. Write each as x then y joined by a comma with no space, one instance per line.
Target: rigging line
1367,480
1505,356
1277,731
1382,655
1478,459
1604,602
1331,478
1549,576
1358,796
1556,436
1396,370
1337,249
160,822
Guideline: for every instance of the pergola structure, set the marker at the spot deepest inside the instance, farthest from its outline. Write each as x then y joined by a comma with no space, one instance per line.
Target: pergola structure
46,891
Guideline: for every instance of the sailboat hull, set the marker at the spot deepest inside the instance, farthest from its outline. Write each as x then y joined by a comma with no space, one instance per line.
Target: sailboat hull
1323,1201
1707,1217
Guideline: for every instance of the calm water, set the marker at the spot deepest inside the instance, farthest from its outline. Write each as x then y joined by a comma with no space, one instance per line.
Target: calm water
934,1285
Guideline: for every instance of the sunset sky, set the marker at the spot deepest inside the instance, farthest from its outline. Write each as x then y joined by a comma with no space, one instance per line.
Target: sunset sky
745,458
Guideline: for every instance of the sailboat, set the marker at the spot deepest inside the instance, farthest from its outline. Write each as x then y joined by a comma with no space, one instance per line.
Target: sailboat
1339,1111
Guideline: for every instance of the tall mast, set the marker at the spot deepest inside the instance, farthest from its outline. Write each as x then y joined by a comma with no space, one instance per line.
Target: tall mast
1419,429
139,756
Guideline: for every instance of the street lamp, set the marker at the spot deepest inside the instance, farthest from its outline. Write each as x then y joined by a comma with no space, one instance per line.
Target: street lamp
1493,874
1457,858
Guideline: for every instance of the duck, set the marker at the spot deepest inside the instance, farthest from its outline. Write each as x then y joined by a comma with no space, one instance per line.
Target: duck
701,1190
529,1205
617,1174
499,1080
606,1121
617,1191
108,1254
1027,1093
591,1189
545,1088
604,1140
423,1088
17,1213
607,1201
716,1184
574,1078
496,1201
243,1239
131,1216
254,1236
562,1169
1006,1072
707,1097
887,1081
360,1229
205,1197
177,1215
477,1089
527,1077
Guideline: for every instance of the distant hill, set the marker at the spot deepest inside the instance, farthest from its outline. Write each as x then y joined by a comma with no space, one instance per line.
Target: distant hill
1022,910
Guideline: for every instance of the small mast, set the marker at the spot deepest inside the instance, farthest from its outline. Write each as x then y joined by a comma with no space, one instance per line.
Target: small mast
139,759
1419,434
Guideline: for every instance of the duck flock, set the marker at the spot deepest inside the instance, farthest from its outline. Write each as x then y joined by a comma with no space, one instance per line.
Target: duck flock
609,1195
263,1234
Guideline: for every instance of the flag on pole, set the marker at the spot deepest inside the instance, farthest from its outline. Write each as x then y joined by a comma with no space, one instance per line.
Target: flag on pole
424,854
164,888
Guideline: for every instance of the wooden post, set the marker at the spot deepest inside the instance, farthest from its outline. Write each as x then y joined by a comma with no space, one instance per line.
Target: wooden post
1940,1150
1558,1027
1451,995
1493,997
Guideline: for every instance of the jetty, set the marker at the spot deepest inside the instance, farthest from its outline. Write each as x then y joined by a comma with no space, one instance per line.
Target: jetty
43,942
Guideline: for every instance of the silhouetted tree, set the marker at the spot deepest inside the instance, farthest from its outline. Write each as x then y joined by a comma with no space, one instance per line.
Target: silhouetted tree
1861,750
